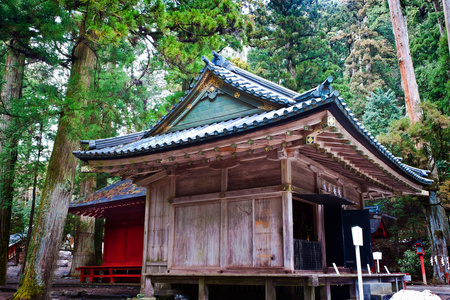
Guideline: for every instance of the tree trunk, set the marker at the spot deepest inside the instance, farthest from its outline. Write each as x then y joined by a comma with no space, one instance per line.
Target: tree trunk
11,91
57,192
446,6
84,250
33,201
437,9
438,232
405,61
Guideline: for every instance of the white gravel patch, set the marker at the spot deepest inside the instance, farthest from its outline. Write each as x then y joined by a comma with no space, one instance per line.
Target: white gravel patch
415,295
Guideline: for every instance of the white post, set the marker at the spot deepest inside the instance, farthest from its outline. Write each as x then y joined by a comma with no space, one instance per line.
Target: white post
358,241
377,256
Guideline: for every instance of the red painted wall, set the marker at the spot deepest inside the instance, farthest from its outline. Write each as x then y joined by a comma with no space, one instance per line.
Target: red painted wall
124,236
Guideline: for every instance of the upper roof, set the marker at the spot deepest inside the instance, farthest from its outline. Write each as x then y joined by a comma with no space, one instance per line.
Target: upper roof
279,105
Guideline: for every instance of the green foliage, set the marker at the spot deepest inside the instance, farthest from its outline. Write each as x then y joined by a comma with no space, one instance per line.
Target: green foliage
381,110
291,46
371,63
410,263
432,133
408,225
35,26
184,31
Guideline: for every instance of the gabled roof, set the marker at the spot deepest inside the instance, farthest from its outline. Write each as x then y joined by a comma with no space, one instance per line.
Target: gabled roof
115,195
294,106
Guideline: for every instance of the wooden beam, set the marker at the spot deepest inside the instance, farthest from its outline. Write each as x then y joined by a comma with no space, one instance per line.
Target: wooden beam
262,191
152,178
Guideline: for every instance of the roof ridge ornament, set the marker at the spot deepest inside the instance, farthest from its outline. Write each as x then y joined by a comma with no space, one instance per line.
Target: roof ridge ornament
322,91
221,61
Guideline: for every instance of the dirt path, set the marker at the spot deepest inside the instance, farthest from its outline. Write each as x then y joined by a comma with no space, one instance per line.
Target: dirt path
65,287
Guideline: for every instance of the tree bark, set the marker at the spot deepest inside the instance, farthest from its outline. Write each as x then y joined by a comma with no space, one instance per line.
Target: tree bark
446,7
438,231
437,8
11,91
57,191
400,30
33,201
84,250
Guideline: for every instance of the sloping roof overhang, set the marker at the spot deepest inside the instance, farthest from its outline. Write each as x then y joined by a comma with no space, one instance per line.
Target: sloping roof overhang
343,145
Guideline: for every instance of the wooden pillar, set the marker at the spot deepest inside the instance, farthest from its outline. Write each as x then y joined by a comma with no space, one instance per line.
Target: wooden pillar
144,281
353,287
326,291
224,221
286,200
320,223
148,291
310,288
203,292
171,241
270,289
309,293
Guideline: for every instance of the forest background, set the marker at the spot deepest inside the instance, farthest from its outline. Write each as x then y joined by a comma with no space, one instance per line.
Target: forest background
141,56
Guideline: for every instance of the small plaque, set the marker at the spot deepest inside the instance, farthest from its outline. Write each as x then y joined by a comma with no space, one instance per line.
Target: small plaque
357,235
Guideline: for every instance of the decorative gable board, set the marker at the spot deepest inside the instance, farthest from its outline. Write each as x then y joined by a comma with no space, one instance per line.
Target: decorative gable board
217,107
212,100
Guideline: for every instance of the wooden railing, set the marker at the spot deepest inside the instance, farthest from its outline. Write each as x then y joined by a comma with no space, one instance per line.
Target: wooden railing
111,274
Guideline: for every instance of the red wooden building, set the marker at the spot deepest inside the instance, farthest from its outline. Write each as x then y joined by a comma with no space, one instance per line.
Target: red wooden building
251,184
122,204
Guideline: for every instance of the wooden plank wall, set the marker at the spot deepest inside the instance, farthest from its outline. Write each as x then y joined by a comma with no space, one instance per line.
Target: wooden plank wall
302,177
239,232
254,173
197,231
198,181
254,234
158,224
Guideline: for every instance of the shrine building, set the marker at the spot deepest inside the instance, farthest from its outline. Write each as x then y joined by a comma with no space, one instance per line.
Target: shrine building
250,185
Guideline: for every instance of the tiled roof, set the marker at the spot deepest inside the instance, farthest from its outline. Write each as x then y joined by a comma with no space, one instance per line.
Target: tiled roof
121,190
297,104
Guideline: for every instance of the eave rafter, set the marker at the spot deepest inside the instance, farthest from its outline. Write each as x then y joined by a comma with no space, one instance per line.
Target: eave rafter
243,149
319,137
338,146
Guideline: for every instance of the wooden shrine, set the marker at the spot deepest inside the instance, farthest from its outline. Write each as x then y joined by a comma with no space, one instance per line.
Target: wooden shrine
251,184
122,204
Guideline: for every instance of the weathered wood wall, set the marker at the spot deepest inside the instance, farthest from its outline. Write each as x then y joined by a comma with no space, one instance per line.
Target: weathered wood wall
194,224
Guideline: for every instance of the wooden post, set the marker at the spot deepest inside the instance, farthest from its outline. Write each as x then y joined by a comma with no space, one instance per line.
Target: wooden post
171,221
203,292
270,289
146,239
286,200
224,221
309,293
326,291
422,266
149,291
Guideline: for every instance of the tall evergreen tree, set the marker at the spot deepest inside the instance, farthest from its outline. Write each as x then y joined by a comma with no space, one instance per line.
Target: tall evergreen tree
290,44
178,31
10,95
26,27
